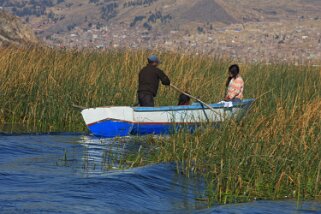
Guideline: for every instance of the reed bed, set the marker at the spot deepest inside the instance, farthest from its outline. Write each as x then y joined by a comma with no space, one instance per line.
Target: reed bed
39,85
273,153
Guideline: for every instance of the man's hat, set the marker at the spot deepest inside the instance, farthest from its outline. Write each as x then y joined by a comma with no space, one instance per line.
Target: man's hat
153,58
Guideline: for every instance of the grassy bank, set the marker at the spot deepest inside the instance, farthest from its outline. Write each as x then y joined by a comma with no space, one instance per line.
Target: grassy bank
274,153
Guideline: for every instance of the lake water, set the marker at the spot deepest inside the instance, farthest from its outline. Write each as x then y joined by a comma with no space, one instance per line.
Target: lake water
65,173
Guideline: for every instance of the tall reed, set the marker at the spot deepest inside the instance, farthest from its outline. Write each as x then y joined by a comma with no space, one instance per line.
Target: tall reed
39,85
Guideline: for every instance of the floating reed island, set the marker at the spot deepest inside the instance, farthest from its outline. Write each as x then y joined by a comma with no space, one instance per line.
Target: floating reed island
273,153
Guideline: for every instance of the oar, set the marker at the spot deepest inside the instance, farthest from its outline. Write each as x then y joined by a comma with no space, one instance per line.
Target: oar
79,107
195,98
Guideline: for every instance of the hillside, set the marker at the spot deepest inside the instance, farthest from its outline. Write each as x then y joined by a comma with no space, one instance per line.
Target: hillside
58,16
13,31
248,30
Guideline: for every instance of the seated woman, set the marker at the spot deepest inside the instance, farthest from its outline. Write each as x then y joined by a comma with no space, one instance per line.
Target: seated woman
184,100
234,85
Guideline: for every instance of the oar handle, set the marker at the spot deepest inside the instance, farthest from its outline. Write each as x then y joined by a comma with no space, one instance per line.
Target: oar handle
193,97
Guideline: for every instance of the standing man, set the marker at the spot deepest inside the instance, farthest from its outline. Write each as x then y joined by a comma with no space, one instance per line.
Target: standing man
149,78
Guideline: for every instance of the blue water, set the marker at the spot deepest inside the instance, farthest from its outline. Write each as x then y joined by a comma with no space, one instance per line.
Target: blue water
76,174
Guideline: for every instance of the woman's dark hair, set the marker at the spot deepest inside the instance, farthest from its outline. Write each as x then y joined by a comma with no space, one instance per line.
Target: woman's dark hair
183,99
234,70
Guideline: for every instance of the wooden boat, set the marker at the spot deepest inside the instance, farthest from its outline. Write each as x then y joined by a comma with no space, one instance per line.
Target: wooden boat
113,122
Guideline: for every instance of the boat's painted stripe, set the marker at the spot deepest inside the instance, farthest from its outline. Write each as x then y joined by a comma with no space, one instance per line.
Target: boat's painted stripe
178,108
145,123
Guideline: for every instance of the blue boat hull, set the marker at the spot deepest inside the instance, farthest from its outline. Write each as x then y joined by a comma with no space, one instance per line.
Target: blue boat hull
111,129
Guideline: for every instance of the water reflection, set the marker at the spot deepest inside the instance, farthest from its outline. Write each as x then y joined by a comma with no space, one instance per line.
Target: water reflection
104,155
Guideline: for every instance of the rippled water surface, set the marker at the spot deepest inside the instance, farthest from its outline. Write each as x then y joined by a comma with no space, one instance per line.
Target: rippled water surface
76,174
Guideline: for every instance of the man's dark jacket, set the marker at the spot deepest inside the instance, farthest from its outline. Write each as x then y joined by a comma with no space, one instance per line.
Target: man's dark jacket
149,78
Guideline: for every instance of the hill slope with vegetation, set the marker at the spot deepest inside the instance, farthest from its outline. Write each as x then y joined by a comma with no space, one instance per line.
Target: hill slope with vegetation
54,16
13,31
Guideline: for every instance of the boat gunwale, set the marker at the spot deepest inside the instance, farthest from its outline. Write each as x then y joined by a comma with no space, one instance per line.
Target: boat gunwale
242,104
245,102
